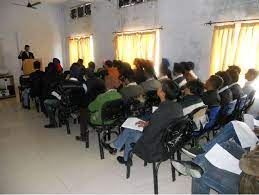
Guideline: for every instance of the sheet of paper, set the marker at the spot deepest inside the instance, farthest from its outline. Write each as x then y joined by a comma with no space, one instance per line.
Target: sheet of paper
245,135
54,93
222,159
249,120
154,108
130,123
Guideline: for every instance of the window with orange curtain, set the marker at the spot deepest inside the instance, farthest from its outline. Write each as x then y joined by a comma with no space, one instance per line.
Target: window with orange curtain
235,44
129,46
81,47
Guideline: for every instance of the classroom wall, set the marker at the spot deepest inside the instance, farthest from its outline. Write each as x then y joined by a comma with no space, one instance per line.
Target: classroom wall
184,37
43,29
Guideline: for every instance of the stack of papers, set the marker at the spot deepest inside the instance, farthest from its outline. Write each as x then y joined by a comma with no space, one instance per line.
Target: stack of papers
130,123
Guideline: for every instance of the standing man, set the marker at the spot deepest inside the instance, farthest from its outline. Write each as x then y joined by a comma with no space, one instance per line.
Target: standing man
26,54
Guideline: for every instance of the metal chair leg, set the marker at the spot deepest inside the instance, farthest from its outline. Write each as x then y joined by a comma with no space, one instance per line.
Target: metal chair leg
155,176
87,140
179,158
173,172
145,163
128,172
68,127
100,146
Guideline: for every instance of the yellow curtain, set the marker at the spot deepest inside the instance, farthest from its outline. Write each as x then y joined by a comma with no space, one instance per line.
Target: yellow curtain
129,46
236,44
73,50
81,48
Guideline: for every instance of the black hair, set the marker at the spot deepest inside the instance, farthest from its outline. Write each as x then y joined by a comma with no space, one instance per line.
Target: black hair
130,76
196,87
216,82
226,78
102,74
36,65
188,66
91,65
80,60
56,61
76,71
26,46
178,68
108,63
236,68
234,75
171,89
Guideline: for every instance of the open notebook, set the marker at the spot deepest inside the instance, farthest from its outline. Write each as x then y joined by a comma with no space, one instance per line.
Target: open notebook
130,123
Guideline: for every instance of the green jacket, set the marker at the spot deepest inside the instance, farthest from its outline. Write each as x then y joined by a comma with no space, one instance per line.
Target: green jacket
95,107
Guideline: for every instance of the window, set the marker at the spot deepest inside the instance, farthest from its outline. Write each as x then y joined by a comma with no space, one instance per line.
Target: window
81,47
235,44
80,11
126,3
129,46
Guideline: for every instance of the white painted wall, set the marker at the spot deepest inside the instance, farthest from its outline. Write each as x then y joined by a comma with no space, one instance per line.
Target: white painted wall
43,29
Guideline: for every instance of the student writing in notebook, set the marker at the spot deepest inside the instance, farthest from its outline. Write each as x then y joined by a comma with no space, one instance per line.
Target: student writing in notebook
148,143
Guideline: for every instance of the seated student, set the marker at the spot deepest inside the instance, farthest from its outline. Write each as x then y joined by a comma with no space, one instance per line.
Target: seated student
76,87
131,88
90,69
139,71
250,76
192,93
95,107
235,87
206,175
36,79
164,70
148,143
211,96
236,68
188,71
151,84
225,93
56,61
112,71
178,75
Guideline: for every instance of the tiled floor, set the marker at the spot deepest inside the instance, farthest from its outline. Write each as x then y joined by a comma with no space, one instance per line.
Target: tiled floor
37,160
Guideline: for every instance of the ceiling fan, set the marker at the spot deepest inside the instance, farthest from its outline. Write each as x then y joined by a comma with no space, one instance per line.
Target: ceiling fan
29,5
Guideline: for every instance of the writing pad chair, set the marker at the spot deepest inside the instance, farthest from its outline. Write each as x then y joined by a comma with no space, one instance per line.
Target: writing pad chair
175,136
134,108
238,112
66,109
151,100
249,102
199,118
111,111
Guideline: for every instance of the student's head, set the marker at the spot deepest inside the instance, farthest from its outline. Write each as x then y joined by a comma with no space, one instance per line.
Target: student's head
76,71
178,69
137,62
36,65
236,68
234,75
214,83
27,48
169,90
56,61
52,68
108,64
91,65
188,66
164,66
149,69
81,62
251,75
194,87
129,78
226,78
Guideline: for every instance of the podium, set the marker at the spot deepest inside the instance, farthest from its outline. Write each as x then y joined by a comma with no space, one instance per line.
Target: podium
28,66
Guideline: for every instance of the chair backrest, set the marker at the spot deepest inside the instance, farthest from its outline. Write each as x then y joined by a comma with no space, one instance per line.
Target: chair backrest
228,109
177,135
241,102
199,116
134,108
250,101
113,110
213,117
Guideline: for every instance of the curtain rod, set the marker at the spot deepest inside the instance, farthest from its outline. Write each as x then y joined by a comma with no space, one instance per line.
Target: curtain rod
135,31
230,21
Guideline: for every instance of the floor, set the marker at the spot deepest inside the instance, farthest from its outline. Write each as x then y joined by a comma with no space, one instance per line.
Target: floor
37,160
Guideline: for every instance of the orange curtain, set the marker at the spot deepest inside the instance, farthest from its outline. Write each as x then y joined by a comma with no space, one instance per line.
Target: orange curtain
129,46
